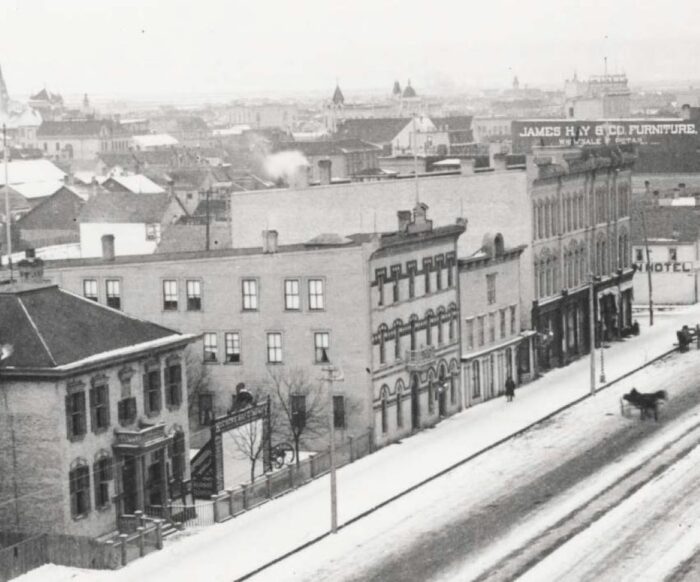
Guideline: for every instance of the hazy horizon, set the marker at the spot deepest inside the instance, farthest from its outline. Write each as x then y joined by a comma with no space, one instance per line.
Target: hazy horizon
169,50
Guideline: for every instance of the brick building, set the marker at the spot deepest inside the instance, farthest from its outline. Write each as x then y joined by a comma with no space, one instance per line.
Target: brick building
275,307
93,420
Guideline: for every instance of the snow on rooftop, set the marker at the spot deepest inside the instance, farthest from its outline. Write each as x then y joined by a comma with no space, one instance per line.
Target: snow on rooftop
32,190
23,171
139,184
154,140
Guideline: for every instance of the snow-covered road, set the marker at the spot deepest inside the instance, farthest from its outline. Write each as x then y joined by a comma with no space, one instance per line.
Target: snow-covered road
643,539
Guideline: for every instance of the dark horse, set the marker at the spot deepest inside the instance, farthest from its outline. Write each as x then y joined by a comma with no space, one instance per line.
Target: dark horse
647,403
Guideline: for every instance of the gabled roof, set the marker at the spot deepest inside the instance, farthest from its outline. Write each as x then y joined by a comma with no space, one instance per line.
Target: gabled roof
31,190
49,327
125,207
137,183
454,122
23,171
77,127
379,131
328,147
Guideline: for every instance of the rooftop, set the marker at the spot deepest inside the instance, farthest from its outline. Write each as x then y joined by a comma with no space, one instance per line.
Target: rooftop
125,207
48,327
23,171
376,131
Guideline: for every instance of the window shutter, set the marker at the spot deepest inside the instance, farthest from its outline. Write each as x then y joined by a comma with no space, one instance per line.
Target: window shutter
93,409
81,425
73,485
69,418
159,393
108,415
168,395
146,407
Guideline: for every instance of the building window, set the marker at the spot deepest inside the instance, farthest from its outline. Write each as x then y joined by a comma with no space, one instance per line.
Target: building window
502,323
291,295
439,320
79,479
274,348
476,380
382,344
411,268
205,407
451,327
395,277
173,385
431,397
428,330
385,423
450,273
102,475
250,294
177,456
482,330
297,407
232,341
114,294
194,295
321,340
151,391
491,288
673,254
90,289
412,323
75,414
469,327
339,411
211,351
126,410
427,265
99,407
399,406
513,326
316,301
492,327
438,272
397,340
170,295
152,231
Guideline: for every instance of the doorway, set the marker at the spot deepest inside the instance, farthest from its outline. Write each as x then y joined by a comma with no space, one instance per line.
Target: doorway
415,402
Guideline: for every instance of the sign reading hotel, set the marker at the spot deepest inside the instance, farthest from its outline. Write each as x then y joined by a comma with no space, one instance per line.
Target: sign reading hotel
639,131
668,267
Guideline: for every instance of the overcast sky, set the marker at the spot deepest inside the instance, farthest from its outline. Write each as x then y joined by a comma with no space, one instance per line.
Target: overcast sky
179,47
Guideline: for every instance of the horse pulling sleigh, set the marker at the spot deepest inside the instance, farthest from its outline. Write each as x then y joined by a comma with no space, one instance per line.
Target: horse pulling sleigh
647,403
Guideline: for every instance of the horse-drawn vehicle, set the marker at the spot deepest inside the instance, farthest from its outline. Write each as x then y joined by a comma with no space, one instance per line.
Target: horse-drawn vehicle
647,403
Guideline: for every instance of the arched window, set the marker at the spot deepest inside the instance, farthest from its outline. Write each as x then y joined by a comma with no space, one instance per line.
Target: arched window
541,220
79,487
384,396
535,220
383,329
397,339
452,315
102,475
429,317
476,380
440,319
431,391
399,402
413,323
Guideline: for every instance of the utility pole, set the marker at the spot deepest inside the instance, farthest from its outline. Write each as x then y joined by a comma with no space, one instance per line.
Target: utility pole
648,253
208,192
591,330
332,376
8,219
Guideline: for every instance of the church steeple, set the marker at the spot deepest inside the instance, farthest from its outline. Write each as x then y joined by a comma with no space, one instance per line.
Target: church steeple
4,95
338,98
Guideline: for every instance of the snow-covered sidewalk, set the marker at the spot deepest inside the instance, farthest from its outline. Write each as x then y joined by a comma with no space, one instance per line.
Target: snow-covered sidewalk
229,550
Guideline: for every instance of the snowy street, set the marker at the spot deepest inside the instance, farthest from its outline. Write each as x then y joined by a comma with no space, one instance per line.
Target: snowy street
480,510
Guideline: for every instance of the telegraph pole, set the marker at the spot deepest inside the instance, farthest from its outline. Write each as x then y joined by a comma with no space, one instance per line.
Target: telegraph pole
648,253
591,329
332,376
8,220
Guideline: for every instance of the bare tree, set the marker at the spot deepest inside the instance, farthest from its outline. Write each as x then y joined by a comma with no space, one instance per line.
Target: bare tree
300,404
250,440
198,381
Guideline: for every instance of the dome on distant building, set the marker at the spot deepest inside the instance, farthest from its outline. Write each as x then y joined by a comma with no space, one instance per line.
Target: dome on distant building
396,91
338,98
409,91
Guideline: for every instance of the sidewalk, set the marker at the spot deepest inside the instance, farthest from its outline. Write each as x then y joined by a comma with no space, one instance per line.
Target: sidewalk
230,550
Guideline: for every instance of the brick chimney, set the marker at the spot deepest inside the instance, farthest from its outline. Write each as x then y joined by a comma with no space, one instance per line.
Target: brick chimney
269,241
31,268
404,217
108,247
324,170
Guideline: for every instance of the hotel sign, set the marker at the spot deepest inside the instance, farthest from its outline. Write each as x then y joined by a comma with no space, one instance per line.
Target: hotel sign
668,267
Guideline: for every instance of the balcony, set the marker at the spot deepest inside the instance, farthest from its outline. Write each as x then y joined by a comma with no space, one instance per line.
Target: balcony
419,359
146,437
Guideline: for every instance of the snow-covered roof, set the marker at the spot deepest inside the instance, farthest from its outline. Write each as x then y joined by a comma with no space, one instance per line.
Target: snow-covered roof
154,140
448,162
32,190
234,130
138,184
23,171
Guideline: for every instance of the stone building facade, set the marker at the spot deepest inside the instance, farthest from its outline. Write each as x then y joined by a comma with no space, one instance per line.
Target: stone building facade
581,230
92,428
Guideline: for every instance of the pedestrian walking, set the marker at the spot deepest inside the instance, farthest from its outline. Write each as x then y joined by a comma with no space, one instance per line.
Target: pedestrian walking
510,389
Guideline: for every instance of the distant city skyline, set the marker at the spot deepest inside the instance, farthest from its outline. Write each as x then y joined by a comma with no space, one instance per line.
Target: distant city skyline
155,49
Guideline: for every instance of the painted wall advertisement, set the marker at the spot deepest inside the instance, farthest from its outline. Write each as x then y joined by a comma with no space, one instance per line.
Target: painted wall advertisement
638,131
667,267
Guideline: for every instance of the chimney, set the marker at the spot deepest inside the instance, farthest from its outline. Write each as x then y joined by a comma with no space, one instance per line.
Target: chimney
404,219
108,247
324,170
269,242
467,166
31,268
